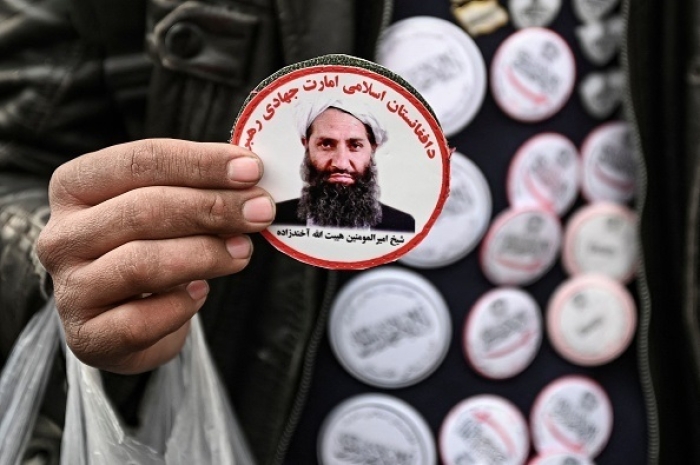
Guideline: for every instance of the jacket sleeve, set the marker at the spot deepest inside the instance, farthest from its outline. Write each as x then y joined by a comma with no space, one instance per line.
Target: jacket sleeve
53,107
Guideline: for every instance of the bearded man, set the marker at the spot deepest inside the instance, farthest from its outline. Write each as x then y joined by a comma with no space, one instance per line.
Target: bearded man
340,175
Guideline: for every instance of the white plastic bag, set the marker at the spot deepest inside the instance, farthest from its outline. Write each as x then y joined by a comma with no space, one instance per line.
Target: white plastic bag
186,416
23,382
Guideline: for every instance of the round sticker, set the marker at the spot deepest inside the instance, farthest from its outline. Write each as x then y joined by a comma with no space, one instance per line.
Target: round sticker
484,429
463,221
375,428
533,13
545,172
574,414
593,10
353,157
609,164
591,320
533,74
503,332
390,327
442,62
601,92
602,238
561,458
600,41
521,246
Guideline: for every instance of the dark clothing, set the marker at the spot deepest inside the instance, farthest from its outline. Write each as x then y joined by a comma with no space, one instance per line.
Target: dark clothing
392,219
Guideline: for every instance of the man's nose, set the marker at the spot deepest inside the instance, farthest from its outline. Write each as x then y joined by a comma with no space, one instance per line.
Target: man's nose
342,159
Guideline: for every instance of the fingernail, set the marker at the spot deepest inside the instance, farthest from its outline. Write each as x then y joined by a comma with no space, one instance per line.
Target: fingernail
243,169
258,210
238,247
197,290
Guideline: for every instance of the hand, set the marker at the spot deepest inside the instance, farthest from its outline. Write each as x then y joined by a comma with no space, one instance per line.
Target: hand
135,230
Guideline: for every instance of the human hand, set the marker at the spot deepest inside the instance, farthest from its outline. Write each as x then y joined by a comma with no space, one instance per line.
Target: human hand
135,230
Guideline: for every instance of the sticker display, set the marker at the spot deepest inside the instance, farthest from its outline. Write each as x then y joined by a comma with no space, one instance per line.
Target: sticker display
521,246
609,164
572,413
593,10
484,429
533,13
591,320
600,41
545,172
602,238
601,92
390,327
354,158
533,74
375,428
463,221
442,62
503,332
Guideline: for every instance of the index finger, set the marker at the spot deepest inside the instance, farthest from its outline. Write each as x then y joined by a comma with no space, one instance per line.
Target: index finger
95,177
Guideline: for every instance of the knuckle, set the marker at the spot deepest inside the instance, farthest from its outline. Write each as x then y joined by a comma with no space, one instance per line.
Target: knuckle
138,265
218,209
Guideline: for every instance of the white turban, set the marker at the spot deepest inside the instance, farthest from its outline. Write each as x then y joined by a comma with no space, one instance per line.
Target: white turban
308,111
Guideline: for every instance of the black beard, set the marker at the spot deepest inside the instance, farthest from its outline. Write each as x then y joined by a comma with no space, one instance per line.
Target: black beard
339,205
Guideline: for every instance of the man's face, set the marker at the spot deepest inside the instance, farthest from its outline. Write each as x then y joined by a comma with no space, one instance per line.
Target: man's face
339,147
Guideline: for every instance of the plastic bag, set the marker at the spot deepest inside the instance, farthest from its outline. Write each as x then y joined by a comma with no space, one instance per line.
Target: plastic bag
186,416
24,380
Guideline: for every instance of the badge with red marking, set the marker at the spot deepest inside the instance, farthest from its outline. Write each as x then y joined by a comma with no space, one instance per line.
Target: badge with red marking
573,413
533,74
354,158
484,429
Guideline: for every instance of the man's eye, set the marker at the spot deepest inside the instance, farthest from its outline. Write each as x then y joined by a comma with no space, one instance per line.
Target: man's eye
326,143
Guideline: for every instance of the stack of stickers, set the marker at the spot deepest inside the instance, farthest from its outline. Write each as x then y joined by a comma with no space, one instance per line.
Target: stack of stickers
556,208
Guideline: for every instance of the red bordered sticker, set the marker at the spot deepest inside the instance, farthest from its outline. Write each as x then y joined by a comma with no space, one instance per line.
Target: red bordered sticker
355,160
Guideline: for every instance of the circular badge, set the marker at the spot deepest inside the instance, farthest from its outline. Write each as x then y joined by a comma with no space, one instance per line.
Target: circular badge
609,164
370,429
390,327
591,320
593,10
561,458
601,92
602,238
533,74
545,172
503,333
533,13
463,221
574,414
442,62
521,246
600,40
484,429
334,133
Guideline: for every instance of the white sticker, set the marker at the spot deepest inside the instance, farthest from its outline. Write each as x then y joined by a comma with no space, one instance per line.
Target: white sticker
533,13
573,413
533,74
600,41
545,172
463,221
355,161
484,429
609,164
390,327
503,333
591,320
561,458
442,62
602,238
593,10
601,92
521,246
371,429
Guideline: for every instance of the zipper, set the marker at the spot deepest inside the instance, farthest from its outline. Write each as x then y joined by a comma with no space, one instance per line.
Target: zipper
308,369
642,282
387,12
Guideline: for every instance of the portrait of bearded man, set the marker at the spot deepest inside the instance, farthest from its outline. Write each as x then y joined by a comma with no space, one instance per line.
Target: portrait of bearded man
339,173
